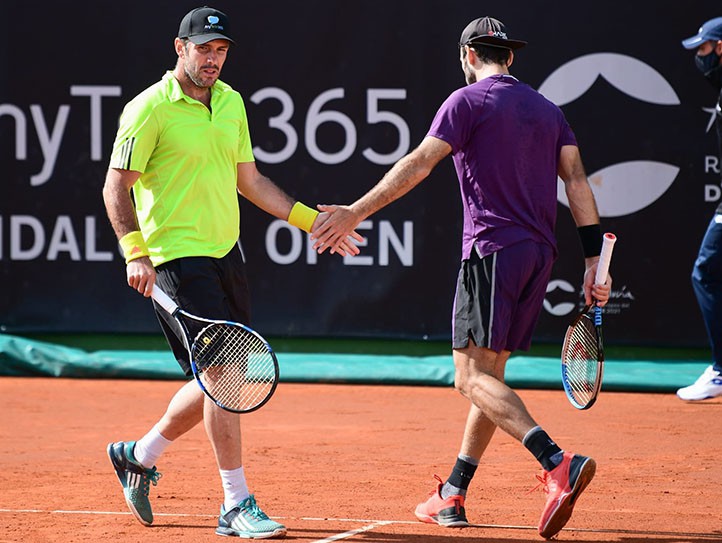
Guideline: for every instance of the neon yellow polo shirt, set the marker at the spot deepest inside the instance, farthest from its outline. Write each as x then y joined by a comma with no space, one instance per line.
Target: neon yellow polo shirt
185,198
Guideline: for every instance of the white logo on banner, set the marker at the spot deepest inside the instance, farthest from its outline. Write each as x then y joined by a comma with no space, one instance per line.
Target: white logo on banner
563,308
619,300
627,187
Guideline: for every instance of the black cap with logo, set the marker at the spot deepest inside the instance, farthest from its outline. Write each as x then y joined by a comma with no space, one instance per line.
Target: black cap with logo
205,24
488,31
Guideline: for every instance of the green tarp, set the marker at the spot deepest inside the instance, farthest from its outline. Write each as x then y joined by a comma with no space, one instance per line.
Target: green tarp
24,357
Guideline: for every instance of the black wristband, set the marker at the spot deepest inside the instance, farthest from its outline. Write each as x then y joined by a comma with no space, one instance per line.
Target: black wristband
591,238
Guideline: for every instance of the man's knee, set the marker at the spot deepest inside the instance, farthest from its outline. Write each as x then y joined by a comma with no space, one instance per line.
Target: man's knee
473,380
461,383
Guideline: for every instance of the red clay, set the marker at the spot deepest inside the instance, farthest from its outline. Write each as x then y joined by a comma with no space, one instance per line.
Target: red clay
327,459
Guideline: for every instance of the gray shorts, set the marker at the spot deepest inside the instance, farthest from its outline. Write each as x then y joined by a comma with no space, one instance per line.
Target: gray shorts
499,297
214,288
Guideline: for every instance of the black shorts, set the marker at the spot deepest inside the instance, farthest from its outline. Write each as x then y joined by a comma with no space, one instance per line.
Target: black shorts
499,297
214,288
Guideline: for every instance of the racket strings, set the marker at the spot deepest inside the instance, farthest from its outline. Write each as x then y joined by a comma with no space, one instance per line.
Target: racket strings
236,367
581,361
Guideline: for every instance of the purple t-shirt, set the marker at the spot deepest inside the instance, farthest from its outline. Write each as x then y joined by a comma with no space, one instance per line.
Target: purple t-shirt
505,139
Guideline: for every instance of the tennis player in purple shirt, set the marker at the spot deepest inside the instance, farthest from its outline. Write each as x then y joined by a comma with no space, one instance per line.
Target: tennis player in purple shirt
509,144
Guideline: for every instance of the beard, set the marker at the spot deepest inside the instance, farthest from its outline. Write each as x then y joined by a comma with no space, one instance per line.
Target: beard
469,74
198,79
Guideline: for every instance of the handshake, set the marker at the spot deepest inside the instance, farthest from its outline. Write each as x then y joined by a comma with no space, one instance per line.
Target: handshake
334,229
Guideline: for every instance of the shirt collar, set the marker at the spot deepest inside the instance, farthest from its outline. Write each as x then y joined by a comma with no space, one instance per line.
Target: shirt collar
175,92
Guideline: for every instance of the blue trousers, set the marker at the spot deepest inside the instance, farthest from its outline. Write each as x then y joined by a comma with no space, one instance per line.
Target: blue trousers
707,283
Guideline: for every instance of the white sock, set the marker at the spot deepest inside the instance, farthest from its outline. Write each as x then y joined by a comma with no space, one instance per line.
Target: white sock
149,448
235,489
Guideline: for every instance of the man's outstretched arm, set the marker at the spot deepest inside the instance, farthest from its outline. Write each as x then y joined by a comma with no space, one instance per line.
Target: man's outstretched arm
400,179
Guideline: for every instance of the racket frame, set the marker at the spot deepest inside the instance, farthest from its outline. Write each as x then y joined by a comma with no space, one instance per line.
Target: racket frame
594,313
189,341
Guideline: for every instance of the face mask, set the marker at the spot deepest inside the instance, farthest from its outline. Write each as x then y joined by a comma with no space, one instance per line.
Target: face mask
707,63
714,76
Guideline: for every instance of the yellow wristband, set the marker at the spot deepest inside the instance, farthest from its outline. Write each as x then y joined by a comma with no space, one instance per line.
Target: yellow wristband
302,216
133,246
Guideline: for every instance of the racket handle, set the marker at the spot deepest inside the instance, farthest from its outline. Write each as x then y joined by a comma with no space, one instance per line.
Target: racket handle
605,258
164,300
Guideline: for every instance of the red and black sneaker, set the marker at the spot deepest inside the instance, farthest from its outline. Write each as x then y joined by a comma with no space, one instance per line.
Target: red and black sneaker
447,512
563,485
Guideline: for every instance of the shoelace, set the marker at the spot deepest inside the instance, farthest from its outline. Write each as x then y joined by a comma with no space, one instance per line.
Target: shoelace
150,476
432,492
251,507
542,483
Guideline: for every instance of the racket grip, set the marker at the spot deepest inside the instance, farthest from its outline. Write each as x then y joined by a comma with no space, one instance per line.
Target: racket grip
164,300
605,258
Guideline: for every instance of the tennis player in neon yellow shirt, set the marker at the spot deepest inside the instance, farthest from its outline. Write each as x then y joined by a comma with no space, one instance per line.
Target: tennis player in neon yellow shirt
183,148
187,152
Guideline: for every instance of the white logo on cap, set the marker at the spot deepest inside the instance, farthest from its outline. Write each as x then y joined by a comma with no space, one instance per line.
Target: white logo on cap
213,19
624,188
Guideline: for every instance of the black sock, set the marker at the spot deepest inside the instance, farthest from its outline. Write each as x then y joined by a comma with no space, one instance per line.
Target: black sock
461,475
543,448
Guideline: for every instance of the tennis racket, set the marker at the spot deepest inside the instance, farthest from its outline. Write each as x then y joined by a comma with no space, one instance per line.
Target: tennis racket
234,366
583,349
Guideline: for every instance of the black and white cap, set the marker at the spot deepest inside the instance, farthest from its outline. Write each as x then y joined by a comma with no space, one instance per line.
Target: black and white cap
205,24
488,31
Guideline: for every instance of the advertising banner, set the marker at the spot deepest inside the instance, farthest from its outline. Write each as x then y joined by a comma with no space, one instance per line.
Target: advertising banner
336,93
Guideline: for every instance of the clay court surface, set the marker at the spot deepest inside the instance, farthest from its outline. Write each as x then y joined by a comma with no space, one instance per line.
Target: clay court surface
349,463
